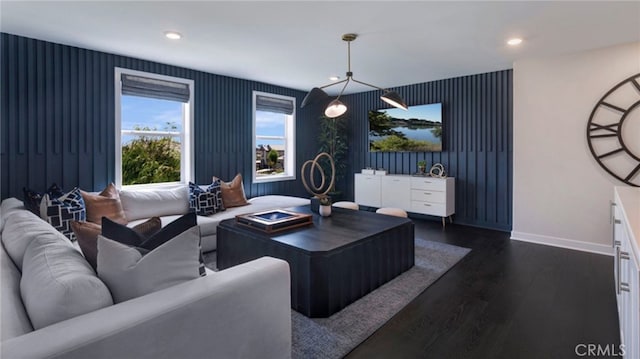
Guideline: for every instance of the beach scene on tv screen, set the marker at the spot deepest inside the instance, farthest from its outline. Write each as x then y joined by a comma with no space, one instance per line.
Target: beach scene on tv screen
418,129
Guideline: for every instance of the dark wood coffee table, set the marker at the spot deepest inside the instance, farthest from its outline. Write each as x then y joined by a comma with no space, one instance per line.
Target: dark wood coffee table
333,262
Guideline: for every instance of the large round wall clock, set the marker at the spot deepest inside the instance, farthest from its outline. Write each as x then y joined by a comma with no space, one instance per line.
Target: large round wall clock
613,131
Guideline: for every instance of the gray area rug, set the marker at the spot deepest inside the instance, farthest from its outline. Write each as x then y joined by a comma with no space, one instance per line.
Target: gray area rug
337,335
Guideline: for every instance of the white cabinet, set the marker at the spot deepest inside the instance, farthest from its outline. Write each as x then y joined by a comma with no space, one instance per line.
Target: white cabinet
433,196
394,191
626,233
424,195
367,190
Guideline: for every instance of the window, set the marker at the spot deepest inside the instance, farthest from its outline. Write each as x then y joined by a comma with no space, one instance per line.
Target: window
154,117
274,143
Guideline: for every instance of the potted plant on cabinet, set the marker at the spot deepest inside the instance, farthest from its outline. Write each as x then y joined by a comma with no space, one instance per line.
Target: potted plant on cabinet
422,166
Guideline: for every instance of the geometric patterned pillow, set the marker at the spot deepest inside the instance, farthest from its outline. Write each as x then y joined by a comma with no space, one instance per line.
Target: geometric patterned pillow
55,191
32,199
205,202
59,212
216,189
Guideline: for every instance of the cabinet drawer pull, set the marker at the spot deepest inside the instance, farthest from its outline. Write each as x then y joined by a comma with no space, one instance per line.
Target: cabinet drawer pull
624,255
396,180
624,287
612,211
427,204
427,193
618,270
617,243
617,221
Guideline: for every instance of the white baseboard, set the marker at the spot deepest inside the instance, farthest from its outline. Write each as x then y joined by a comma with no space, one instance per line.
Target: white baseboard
562,243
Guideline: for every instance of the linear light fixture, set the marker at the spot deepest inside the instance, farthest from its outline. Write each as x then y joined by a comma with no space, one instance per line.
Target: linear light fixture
336,107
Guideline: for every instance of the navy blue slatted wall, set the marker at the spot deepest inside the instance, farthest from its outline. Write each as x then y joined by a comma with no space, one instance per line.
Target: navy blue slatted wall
477,112
57,110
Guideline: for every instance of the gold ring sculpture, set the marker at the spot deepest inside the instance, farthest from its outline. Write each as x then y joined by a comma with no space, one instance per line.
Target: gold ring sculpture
318,191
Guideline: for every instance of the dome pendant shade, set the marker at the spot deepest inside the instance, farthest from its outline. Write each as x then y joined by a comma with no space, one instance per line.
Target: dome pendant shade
393,99
336,108
315,95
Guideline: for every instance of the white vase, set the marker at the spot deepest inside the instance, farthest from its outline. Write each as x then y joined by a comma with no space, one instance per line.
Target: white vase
325,211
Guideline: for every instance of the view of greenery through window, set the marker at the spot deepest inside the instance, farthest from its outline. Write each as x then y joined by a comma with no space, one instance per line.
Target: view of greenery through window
270,143
151,130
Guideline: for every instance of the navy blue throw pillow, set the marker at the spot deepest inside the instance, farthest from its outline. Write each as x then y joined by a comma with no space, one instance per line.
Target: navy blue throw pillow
32,199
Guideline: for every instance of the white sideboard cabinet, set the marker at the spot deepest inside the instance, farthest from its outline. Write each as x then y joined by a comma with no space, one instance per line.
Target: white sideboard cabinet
424,195
393,191
367,190
626,234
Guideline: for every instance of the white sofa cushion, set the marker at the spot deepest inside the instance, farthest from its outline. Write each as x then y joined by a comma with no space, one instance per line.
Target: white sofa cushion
209,224
277,201
14,321
129,274
20,229
58,283
156,202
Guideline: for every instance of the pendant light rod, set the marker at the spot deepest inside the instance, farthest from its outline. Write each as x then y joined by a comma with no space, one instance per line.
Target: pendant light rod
348,38
343,87
370,85
334,83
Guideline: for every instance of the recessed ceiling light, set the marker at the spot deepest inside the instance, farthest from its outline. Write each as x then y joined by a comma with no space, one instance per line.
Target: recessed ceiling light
172,35
334,78
514,41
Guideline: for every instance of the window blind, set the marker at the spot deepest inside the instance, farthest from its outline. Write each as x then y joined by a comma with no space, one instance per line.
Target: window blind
274,104
161,89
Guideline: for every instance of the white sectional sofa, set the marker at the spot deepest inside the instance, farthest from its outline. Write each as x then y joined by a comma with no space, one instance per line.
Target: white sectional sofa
171,202
241,312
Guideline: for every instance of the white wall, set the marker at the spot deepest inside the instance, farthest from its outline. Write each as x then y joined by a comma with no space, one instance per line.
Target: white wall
560,193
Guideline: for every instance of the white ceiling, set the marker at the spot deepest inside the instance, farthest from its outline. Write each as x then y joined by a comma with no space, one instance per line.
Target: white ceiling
298,44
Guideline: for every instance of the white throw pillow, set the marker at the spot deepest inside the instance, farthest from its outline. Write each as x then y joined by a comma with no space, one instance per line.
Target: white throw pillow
130,274
58,283
138,204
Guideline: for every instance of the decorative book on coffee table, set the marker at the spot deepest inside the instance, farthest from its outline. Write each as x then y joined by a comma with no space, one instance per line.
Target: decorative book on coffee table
274,220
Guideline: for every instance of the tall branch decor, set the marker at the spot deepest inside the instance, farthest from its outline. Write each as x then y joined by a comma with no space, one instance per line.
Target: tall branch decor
332,140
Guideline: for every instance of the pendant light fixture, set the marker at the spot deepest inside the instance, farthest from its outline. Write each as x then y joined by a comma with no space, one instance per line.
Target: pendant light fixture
336,107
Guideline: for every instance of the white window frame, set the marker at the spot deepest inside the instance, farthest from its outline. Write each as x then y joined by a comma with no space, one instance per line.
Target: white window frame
289,140
186,136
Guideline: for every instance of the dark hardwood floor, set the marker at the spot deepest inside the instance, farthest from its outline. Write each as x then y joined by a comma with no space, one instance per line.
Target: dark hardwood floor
505,299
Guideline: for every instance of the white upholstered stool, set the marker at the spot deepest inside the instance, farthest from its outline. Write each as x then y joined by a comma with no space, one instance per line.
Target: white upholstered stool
346,204
390,211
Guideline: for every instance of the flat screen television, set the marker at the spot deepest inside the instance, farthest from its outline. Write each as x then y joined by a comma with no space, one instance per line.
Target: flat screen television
418,129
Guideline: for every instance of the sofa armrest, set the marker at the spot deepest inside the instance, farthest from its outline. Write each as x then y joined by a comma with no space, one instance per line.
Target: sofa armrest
241,312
